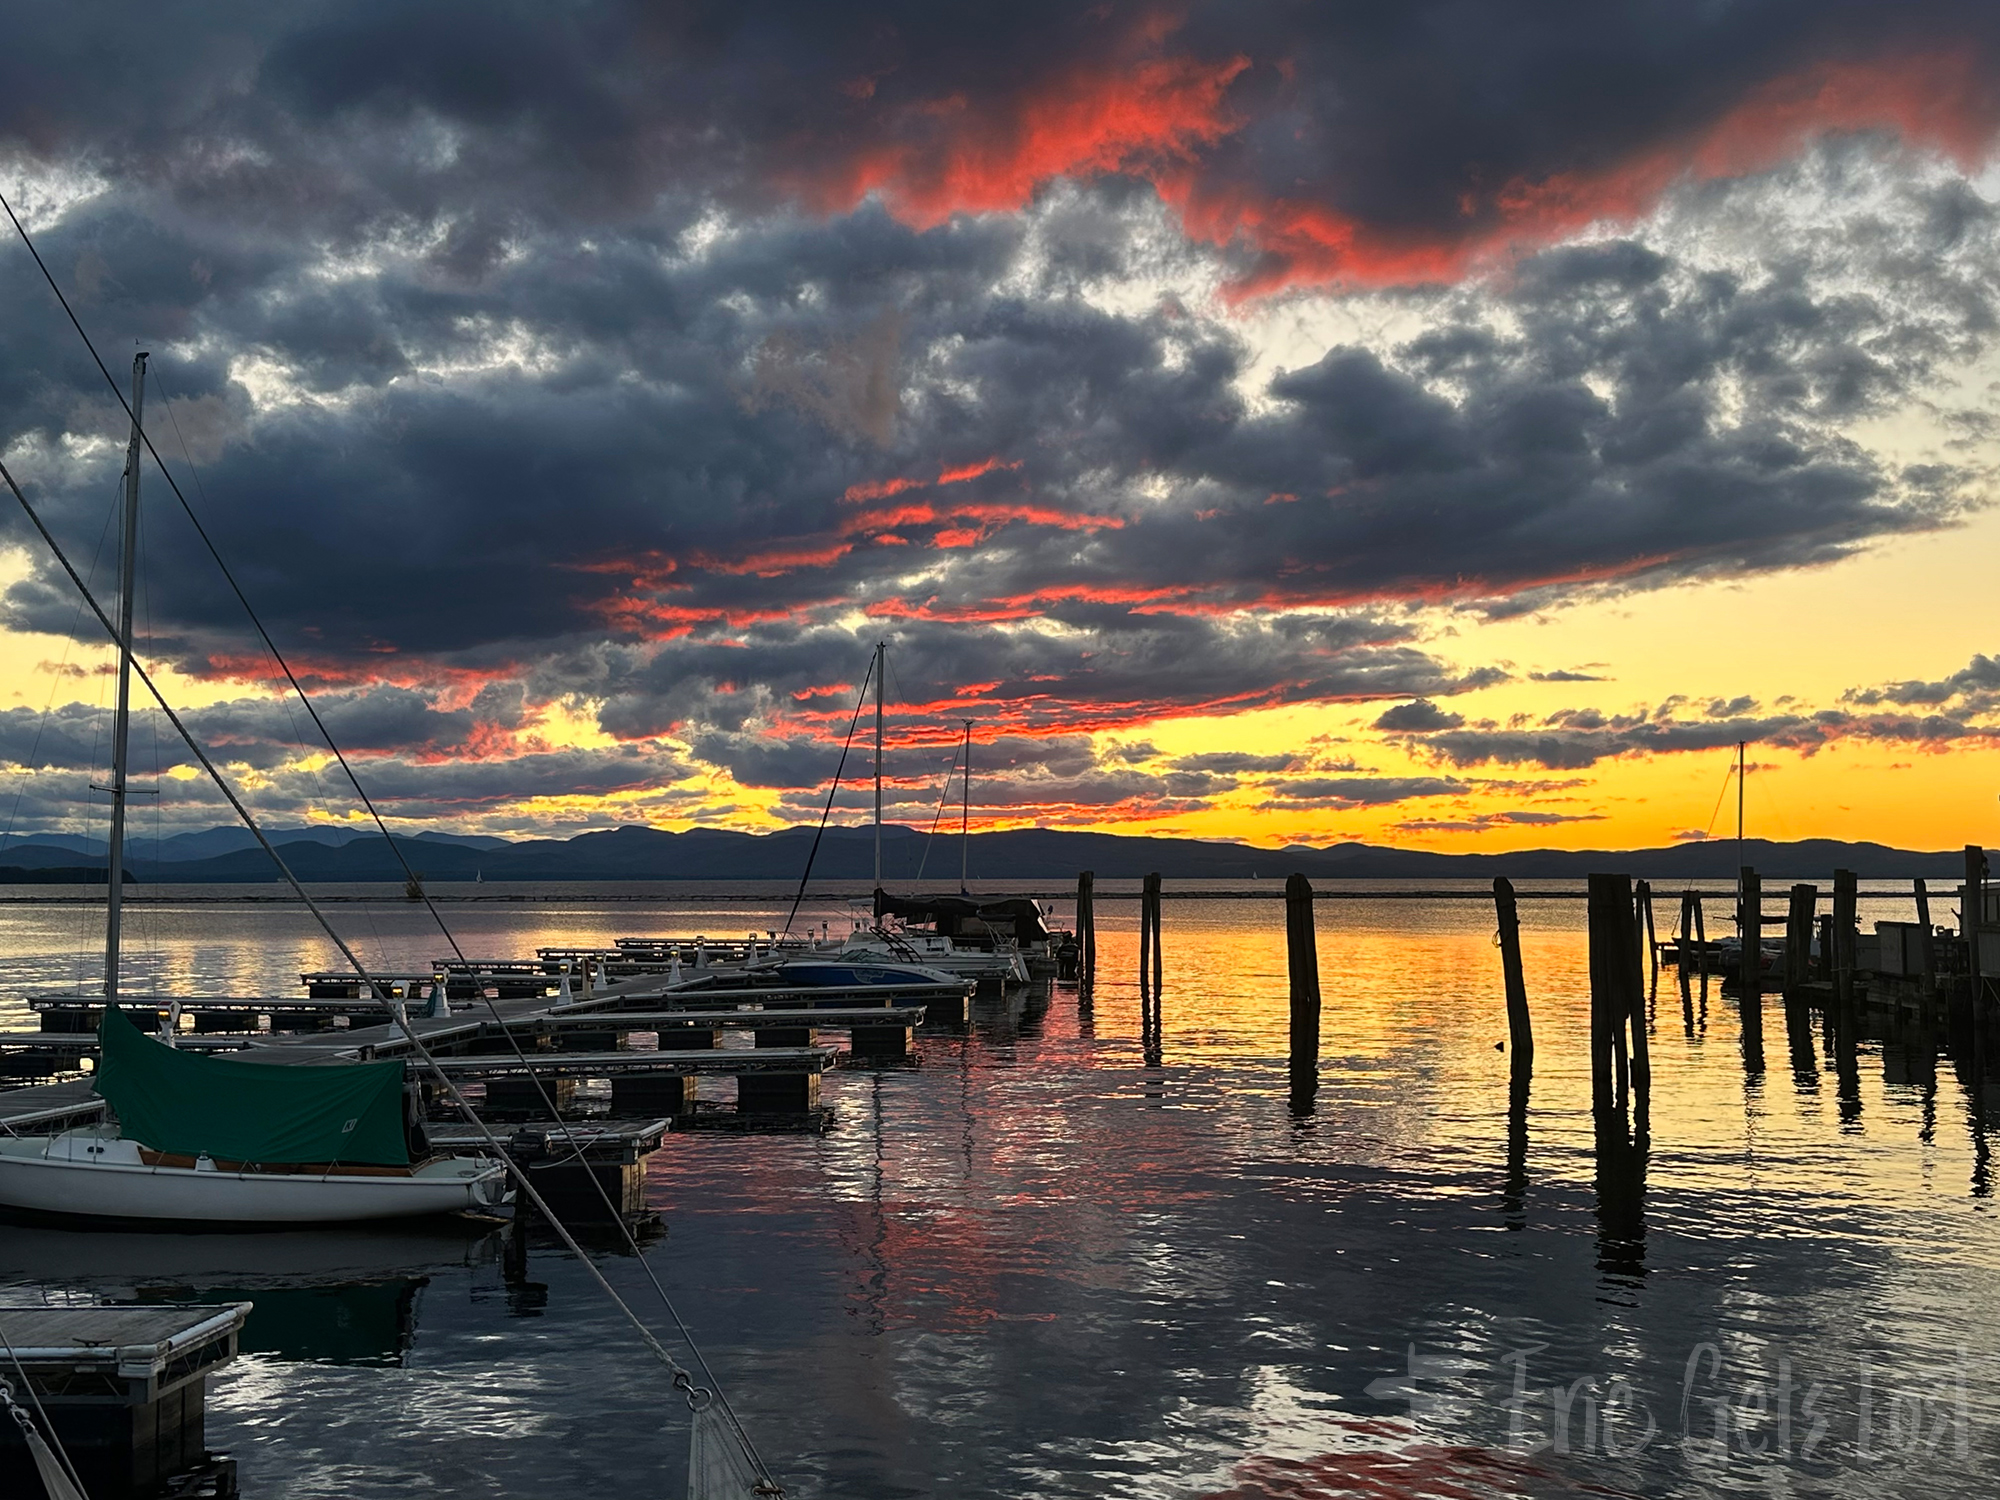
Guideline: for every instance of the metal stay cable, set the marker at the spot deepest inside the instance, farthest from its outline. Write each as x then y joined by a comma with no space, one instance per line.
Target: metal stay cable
682,1377
853,724
937,817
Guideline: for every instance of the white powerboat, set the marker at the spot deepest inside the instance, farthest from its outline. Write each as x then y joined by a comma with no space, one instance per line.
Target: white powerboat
1002,961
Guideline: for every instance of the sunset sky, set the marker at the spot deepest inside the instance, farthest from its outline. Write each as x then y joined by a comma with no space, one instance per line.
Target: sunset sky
1454,426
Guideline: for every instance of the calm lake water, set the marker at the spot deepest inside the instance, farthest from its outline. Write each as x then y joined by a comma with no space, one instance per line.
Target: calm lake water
1052,1260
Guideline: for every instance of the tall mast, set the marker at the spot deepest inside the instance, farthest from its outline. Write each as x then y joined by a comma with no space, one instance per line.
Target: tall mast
1741,746
880,648
965,813
121,725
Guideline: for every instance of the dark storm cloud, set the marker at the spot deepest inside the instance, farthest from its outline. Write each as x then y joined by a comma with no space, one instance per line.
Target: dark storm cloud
1977,684
1328,140
1580,739
537,351
1235,762
1487,822
1418,716
69,736
1365,791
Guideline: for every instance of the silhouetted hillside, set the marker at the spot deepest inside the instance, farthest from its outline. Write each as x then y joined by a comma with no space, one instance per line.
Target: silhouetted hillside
633,853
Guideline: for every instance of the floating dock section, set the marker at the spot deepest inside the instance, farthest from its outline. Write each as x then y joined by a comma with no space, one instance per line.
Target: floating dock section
126,1390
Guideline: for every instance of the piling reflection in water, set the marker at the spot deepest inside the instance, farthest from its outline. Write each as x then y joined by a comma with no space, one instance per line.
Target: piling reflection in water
1622,1148
1514,1194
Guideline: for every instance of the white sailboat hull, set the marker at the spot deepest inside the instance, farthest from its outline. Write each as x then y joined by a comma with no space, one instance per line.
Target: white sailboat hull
53,1175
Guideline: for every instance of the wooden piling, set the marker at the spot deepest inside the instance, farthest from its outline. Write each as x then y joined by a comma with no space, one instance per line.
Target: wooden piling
1749,932
1645,889
1086,927
1973,908
1798,940
1845,900
1609,906
1302,954
1520,1034
1634,1037
1149,934
1926,943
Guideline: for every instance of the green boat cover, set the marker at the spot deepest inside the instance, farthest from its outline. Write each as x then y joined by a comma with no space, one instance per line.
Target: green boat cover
189,1105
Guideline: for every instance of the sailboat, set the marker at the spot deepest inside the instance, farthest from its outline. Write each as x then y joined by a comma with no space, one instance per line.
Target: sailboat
214,1140
210,1140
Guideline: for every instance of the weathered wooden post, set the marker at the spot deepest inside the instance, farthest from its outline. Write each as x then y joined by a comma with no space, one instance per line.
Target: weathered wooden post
1609,905
1150,929
1634,1042
1973,906
1086,928
1926,945
1520,1034
1798,940
1302,955
1845,902
1645,889
1749,932
1750,967
1973,919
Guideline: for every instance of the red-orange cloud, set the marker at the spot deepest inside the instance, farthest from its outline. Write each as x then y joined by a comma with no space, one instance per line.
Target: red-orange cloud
958,156
1156,119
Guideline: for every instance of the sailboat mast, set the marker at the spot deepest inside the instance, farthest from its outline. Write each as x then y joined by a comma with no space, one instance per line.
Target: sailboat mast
1741,747
114,911
880,648
965,813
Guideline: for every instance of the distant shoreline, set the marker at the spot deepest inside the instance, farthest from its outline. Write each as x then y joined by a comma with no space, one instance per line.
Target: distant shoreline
555,893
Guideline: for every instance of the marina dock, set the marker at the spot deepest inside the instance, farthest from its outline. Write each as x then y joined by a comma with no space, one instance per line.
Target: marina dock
125,1388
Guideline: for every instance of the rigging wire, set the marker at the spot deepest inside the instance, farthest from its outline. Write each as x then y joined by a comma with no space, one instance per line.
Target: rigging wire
853,724
769,1484
931,838
1727,778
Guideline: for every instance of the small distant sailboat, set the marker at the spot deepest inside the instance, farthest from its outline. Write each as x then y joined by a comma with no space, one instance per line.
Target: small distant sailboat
955,941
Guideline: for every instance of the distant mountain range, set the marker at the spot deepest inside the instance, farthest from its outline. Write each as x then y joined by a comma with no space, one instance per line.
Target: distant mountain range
635,853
